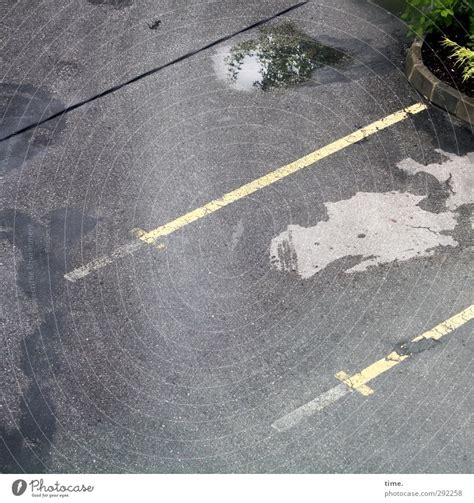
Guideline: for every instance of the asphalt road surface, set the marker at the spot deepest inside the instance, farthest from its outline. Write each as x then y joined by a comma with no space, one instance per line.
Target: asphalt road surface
129,350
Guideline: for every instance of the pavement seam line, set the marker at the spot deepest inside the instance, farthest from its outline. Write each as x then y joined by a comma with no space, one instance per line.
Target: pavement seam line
358,381
245,190
143,75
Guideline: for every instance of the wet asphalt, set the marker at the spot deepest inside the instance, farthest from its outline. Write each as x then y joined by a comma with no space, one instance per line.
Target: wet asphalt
179,359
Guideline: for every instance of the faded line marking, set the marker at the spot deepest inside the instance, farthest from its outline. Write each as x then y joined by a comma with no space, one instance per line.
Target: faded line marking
358,381
251,187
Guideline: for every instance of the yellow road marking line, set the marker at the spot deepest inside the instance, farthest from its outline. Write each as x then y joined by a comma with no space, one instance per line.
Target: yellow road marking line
247,189
280,173
362,389
358,381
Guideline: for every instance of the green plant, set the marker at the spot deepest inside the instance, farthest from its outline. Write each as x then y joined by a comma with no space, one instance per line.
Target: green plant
428,16
464,57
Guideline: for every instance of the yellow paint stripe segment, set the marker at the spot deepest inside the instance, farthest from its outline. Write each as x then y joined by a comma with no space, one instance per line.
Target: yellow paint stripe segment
280,173
358,381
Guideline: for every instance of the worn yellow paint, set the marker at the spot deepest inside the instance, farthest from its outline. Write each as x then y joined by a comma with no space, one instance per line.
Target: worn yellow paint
359,380
363,389
138,233
280,173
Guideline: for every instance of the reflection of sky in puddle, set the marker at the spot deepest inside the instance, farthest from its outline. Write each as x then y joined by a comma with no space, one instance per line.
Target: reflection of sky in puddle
278,57
249,74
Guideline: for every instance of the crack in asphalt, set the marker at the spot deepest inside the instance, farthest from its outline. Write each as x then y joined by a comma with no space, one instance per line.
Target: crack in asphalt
152,71
423,227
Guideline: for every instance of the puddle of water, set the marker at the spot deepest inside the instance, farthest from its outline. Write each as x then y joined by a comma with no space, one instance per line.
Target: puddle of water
279,57
396,7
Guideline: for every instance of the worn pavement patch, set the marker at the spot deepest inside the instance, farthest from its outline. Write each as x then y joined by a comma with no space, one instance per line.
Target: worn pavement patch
378,227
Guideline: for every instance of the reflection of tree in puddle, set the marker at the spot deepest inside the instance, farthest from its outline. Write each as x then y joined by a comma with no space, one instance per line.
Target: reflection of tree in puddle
279,57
